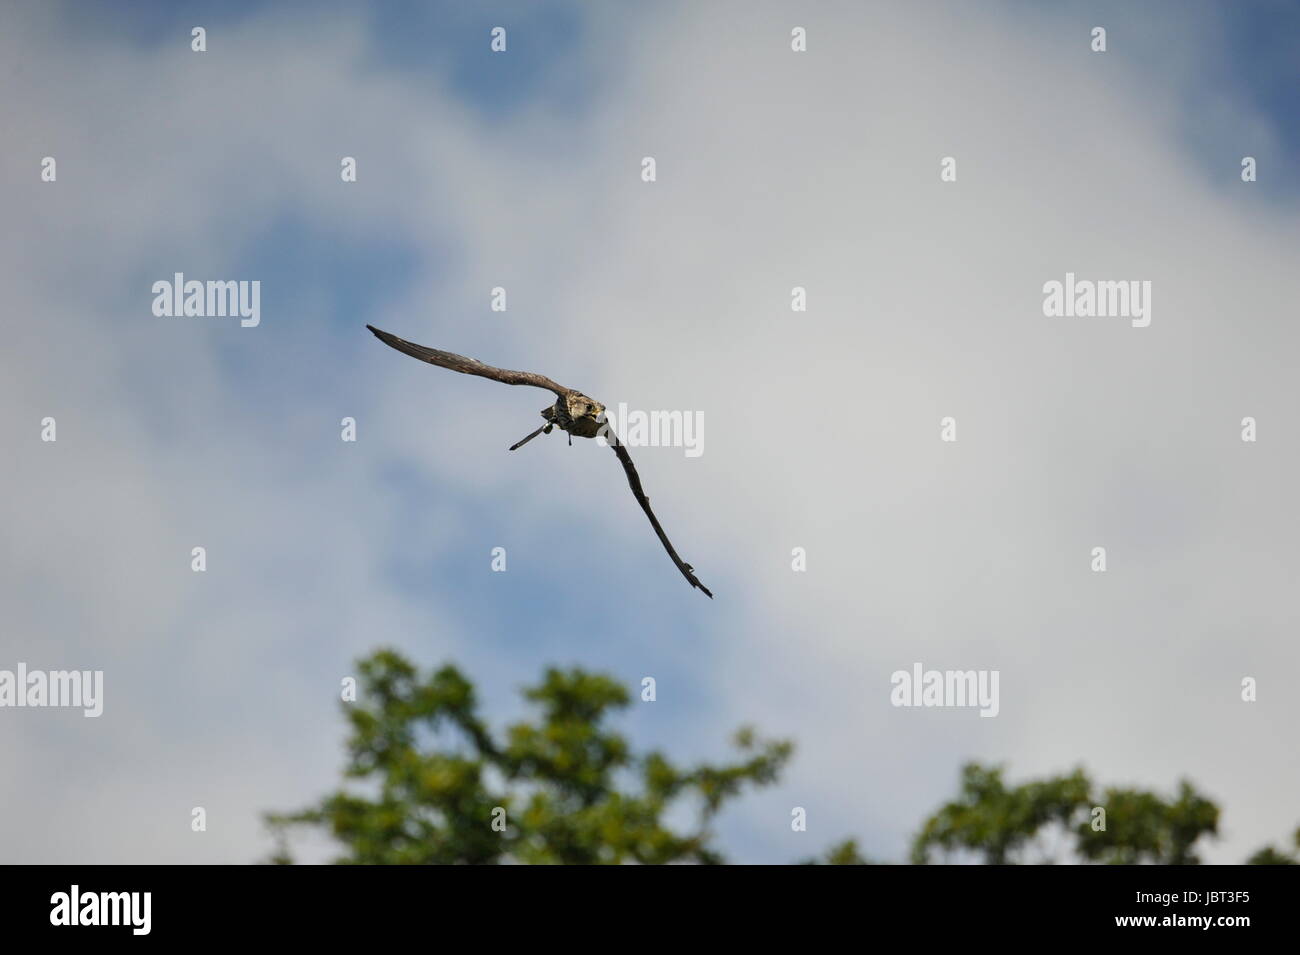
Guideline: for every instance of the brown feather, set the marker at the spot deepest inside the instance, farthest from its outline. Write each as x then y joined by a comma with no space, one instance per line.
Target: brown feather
468,366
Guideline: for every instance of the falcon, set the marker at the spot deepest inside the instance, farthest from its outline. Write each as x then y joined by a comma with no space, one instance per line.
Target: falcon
573,413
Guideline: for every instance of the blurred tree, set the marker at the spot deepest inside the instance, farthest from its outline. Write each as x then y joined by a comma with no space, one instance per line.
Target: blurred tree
1270,856
1142,827
999,823
439,788
846,853
563,789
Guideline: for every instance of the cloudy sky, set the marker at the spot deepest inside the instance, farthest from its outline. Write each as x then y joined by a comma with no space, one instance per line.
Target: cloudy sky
775,169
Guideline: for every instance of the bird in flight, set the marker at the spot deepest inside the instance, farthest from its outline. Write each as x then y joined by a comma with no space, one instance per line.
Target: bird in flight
573,412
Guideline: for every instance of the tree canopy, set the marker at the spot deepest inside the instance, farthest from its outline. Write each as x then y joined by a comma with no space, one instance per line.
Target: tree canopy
427,781
1001,823
564,788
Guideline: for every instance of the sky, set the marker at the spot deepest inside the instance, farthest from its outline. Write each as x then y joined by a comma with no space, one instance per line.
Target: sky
774,169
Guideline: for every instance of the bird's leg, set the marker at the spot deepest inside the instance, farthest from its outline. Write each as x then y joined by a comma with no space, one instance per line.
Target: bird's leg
544,429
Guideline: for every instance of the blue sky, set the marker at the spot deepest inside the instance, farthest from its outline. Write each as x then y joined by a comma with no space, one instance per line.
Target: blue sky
521,170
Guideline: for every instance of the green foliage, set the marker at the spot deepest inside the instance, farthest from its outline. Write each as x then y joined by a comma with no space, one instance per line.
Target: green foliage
846,853
1142,827
995,821
1270,856
429,778
573,792
998,823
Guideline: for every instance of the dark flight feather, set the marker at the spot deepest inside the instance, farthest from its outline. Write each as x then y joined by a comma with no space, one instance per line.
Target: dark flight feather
634,481
468,366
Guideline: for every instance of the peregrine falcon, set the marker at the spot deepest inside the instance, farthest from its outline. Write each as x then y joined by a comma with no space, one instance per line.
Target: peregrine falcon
573,412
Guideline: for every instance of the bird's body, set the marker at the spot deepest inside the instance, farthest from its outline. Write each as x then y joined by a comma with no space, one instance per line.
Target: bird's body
577,414
573,412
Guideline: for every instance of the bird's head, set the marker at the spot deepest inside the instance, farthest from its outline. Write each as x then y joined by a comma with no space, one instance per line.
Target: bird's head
580,406
586,414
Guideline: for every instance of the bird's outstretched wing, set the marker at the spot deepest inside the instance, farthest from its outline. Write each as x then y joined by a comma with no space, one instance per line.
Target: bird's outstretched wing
634,481
468,366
